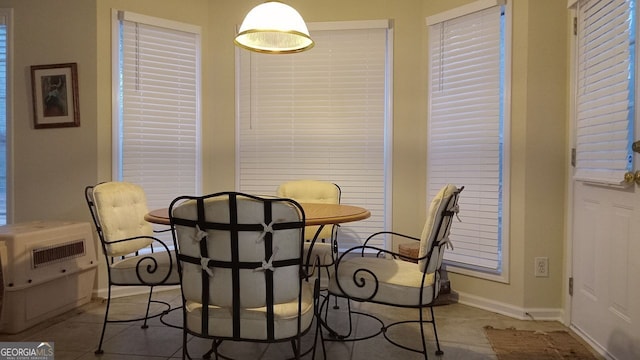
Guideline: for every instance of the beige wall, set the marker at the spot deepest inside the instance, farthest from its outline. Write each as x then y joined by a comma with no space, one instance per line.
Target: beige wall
538,159
546,156
53,166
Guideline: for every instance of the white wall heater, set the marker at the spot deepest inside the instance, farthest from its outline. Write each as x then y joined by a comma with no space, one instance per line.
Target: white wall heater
46,269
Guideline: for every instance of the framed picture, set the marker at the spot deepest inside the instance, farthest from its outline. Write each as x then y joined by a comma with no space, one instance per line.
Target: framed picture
55,95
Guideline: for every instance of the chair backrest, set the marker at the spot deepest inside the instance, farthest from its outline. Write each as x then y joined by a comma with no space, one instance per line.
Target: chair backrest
312,191
238,251
435,234
118,210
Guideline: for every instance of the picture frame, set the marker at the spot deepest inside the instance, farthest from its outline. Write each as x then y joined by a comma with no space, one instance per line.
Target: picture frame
55,95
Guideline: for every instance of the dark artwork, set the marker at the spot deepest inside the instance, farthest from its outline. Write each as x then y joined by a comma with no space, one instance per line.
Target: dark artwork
54,96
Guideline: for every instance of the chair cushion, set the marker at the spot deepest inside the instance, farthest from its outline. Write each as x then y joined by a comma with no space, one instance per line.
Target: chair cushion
429,232
121,207
398,281
312,191
253,320
124,272
287,245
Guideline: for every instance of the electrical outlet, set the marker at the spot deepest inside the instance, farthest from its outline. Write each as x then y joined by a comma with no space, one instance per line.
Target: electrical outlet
541,267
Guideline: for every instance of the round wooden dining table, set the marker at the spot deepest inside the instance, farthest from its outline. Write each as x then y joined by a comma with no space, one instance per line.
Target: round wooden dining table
315,214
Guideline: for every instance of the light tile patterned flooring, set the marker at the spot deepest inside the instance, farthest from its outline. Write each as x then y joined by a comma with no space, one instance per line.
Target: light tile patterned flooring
76,334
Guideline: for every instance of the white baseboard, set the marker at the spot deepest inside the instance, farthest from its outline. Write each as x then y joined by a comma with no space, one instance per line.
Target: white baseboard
122,291
547,314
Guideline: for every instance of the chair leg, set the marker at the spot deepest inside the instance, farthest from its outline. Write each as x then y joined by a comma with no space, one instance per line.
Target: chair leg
435,332
332,333
207,355
319,333
295,345
146,315
215,343
335,305
317,309
104,324
422,335
185,352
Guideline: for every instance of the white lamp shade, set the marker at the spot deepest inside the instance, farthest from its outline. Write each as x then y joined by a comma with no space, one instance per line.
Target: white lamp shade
275,28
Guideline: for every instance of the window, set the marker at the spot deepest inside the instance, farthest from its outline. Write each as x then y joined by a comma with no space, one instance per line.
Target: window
322,114
467,127
156,117
5,37
605,90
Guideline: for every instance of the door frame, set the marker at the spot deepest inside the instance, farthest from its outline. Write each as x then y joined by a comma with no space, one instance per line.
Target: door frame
571,145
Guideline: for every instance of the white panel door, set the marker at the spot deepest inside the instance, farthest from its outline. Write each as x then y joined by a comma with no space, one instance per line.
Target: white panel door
606,268
605,306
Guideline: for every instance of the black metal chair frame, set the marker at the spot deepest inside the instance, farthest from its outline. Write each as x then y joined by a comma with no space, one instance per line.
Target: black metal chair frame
233,227
368,250
334,246
145,264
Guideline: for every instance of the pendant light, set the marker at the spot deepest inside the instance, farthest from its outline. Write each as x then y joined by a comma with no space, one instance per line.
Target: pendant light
274,28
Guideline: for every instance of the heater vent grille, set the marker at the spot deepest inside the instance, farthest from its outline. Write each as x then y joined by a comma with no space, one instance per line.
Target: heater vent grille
56,253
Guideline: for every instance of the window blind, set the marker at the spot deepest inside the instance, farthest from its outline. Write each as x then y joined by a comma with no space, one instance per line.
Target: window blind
465,139
4,46
604,103
158,116
321,114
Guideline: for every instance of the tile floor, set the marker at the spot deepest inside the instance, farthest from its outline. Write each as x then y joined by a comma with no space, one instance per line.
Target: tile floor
76,334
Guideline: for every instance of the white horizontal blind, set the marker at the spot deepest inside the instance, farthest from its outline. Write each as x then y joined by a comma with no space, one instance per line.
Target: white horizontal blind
320,114
465,131
4,69
158,127
604,102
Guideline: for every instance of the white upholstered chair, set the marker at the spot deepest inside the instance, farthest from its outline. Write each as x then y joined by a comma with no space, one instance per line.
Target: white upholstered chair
118,210
385,278
315,191
241,270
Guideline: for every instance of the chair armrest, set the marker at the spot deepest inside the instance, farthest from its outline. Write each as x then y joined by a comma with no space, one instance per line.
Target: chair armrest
382,250
354,276
390,233
309,268
148,264
153,239
379,252
161,231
